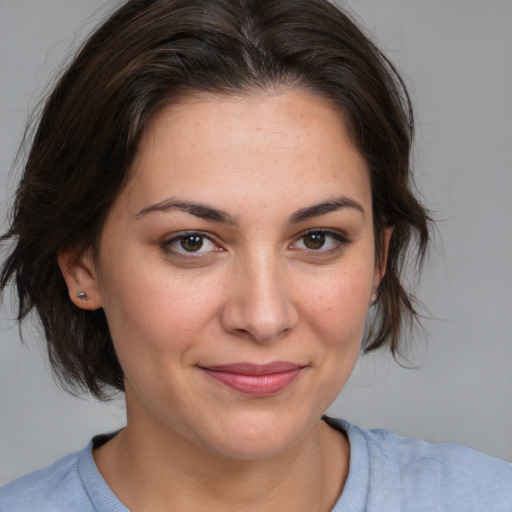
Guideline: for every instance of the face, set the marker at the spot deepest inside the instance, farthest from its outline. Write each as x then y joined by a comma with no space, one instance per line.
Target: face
236,269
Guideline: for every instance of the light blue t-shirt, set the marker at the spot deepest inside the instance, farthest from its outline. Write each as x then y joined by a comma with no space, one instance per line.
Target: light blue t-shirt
387,473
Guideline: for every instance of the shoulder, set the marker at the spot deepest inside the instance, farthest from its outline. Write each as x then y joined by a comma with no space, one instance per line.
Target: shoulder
55,488
441,476
450,460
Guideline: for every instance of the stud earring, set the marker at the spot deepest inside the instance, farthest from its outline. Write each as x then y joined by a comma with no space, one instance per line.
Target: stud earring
82,295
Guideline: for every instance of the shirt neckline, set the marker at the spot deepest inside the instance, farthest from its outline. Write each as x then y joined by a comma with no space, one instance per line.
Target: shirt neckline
352,498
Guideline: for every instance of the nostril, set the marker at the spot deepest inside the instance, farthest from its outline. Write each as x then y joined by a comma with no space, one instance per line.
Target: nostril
261,324
258,303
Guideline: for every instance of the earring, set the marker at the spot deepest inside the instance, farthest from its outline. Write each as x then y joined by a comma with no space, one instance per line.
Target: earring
82,295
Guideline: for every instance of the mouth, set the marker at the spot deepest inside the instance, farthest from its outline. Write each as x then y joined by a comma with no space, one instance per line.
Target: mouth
253,379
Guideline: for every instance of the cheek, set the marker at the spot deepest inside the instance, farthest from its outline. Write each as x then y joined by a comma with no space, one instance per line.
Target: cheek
338,305
336,321
156,310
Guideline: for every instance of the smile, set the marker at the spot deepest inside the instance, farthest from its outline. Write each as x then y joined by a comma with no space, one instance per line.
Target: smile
256,380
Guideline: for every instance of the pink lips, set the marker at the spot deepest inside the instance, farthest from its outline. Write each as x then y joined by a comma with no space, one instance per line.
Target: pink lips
257,380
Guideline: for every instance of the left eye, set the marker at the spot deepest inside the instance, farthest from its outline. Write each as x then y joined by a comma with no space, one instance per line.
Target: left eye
321,241
190,243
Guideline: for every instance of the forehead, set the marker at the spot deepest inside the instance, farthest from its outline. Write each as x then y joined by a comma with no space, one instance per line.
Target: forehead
287,141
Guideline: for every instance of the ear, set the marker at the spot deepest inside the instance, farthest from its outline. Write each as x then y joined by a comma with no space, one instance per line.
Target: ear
79,272
380,264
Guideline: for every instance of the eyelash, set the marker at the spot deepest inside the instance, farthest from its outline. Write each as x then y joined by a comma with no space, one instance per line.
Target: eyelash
167,245
340,239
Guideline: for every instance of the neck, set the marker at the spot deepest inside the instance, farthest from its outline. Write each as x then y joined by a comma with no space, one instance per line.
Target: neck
149,469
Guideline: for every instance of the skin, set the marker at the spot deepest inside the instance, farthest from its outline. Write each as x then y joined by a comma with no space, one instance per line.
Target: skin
258,290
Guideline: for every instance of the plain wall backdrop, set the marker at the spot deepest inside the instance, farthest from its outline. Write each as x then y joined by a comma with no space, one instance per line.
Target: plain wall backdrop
456,57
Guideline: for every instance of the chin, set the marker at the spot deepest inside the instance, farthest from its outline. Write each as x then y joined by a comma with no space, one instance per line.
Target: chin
257,436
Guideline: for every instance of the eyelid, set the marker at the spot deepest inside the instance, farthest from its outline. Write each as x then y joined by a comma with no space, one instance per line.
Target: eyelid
341,238
166,244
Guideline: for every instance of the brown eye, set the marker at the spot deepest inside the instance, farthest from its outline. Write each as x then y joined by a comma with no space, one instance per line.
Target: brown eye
191,243
321,242
314,241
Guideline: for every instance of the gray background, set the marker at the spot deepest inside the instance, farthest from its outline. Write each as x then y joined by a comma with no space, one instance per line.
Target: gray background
456,56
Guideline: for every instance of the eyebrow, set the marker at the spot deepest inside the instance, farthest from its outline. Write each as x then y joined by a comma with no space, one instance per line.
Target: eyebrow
323,208
204,211
200,210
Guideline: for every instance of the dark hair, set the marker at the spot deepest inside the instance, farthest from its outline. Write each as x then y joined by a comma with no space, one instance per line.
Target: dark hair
148,54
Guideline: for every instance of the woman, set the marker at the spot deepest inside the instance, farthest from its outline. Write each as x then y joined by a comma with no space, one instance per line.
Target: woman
232,189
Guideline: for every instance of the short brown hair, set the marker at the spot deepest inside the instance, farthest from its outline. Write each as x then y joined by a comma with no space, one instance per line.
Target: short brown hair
148,54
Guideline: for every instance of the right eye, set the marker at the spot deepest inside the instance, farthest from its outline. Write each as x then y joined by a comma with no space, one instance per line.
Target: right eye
190,243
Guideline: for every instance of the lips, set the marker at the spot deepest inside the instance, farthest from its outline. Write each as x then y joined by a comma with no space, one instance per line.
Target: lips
253,379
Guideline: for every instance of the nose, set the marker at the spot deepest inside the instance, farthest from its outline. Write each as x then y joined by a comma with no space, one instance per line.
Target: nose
258,303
